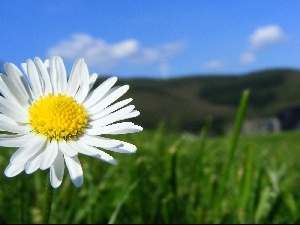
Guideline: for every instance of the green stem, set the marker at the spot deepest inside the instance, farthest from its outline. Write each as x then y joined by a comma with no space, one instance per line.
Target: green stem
24,201
48,202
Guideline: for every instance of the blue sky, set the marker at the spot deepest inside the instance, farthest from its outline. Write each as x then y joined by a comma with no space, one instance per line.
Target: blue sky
154,38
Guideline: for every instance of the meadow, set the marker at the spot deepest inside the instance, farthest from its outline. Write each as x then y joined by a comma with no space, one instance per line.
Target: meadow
172,178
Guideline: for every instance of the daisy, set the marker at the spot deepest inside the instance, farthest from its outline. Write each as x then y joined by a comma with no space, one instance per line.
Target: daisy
51,118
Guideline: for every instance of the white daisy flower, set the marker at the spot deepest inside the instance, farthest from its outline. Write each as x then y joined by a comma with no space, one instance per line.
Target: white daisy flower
51,118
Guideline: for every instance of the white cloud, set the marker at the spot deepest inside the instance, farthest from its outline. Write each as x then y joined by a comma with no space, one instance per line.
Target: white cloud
94,51
103,55
215,64
159,53
247,58
262,38
266,36
164,69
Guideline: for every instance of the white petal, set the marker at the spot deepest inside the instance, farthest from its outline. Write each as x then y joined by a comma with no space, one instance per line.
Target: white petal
62,75
53,75
13,111
14,128
74,144
57,170
94,152
66,149
47,87
34,78
101,142
109,99
84,84
50,155
14,169
28,150
24,67
18,80
34,162
110,109
126,148
109,128
16,140
99,92
115,116
92,80
133,113
47,65
10,92
10,125
5,91
75,170
128,130
74,79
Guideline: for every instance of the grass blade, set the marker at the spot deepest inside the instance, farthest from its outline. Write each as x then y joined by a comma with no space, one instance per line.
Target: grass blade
236,134
118,208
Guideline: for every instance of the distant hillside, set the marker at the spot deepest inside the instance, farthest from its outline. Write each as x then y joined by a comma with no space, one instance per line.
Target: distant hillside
185,103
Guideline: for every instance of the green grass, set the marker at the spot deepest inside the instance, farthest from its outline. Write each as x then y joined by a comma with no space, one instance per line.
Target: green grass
172,178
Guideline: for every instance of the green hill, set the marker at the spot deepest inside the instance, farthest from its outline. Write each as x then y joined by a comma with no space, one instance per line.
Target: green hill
185,103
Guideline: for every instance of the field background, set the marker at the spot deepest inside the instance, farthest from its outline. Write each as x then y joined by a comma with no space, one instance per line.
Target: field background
185,103
200,176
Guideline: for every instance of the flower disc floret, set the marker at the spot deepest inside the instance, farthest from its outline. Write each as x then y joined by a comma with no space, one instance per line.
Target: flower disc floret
58,117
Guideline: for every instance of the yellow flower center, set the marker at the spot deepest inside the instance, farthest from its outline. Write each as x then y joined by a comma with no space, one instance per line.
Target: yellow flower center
58,117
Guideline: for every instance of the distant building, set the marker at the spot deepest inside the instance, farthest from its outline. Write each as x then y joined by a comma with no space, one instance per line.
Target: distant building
261,125
289,118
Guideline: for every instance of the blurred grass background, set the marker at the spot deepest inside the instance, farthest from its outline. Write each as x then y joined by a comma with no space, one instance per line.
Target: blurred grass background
172,178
